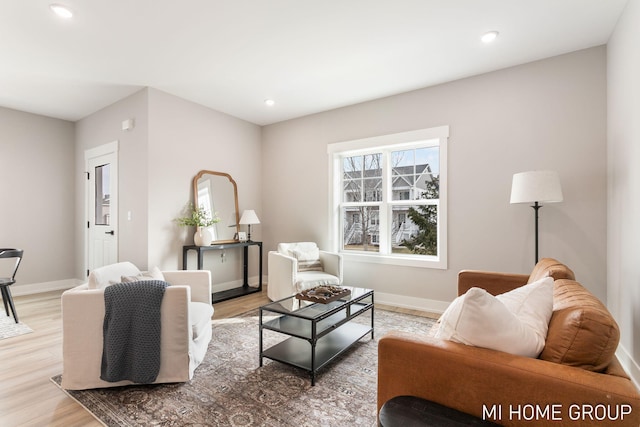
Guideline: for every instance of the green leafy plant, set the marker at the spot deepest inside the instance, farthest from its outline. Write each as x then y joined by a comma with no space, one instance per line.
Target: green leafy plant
198,218
426,218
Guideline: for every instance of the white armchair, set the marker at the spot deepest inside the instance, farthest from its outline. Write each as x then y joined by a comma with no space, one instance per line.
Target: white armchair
295,267
185,317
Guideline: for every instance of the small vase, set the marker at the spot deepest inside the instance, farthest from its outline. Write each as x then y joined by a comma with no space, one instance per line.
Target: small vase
203,237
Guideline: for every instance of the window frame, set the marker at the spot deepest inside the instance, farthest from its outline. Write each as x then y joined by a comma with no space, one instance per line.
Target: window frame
437,136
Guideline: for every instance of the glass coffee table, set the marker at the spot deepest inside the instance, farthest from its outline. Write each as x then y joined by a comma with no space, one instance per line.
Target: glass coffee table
317,332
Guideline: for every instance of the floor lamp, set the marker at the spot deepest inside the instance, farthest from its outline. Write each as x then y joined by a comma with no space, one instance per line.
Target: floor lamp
536,187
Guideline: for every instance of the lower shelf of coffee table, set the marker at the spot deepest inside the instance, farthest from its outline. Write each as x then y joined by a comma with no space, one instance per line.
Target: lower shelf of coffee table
297,352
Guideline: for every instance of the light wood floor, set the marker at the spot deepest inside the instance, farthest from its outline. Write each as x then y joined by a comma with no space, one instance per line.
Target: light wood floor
27,362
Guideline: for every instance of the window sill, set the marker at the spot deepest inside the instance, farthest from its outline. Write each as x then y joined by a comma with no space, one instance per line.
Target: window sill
406,261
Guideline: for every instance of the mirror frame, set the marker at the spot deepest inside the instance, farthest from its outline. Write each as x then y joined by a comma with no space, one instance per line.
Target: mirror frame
235,196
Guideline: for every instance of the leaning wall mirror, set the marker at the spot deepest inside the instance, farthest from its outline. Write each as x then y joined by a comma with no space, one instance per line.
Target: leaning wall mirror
217,193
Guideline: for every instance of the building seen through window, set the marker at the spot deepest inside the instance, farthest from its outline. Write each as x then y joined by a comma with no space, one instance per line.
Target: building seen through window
388,196
413,226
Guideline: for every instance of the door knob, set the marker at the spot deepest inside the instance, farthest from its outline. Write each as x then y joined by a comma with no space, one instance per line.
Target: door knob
110,232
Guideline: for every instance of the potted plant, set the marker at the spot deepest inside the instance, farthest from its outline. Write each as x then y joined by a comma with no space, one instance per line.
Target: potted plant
202,220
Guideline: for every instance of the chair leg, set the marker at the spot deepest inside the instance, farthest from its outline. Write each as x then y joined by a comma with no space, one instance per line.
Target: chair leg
4,299
9,299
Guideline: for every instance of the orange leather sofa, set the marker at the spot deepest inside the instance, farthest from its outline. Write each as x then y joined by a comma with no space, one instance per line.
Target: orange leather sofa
576,381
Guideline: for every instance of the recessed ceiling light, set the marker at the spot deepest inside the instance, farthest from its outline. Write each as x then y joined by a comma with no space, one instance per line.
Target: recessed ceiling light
61,10
489,37
269,102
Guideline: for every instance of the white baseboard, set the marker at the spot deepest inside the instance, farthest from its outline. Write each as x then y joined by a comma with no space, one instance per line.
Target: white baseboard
38,288
629,365
413,303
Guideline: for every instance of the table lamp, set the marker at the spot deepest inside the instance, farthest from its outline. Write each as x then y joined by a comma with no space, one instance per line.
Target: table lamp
249,217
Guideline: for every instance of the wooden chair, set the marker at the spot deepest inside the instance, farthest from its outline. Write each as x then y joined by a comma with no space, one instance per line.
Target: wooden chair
5,282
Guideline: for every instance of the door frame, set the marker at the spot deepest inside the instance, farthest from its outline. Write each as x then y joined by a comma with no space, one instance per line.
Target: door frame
102,150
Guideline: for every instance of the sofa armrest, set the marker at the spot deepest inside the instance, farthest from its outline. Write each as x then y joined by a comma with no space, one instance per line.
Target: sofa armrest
493,282
332,264
466,378
82,321
283,271
198,280
82,337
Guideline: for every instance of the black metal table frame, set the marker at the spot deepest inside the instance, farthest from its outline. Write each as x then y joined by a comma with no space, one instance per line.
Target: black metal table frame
245,289
315,336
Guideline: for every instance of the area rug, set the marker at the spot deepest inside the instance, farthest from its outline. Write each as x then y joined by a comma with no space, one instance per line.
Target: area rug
9,328
230,389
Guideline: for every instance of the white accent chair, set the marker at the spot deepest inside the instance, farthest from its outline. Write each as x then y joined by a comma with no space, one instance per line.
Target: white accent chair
295,267
186,313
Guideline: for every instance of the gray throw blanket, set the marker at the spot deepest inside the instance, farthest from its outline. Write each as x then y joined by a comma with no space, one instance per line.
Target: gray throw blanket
131,331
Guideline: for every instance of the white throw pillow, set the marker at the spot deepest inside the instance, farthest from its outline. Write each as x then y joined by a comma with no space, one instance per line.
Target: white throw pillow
308,260
153,274
515,322
103,276
532,304
307,254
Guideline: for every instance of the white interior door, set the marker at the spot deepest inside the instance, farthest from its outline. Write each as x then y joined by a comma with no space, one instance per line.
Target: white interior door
102,205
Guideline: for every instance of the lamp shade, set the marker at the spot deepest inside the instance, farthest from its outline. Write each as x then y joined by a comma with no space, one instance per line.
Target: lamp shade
249,217
536,186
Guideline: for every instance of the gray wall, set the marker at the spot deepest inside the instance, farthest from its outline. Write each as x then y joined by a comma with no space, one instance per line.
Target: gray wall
37,195
549,114
103,127
172,140
623,135
185,138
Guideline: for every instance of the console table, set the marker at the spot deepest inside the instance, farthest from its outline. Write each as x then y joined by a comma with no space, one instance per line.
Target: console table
245,289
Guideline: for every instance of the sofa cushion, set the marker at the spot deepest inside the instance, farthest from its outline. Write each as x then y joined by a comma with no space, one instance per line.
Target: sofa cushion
102,277
549,267
514,323
582,332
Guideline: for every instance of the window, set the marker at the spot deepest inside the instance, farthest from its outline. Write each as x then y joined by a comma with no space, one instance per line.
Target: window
102,195
389,198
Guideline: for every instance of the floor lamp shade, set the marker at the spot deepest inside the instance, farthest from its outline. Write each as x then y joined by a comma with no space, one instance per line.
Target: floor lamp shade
536,187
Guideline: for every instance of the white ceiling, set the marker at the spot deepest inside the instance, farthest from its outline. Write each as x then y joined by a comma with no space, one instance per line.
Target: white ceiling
307,55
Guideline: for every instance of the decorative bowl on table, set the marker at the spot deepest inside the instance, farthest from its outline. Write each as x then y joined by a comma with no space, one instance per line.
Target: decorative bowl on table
323,294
